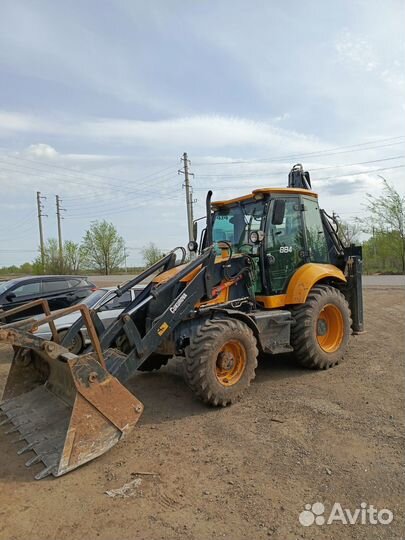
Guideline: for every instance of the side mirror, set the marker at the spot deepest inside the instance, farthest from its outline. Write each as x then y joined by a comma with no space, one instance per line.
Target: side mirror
278,212
10,297
195,230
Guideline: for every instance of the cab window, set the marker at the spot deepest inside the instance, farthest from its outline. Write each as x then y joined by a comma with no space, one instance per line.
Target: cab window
316,240
235,223
284,245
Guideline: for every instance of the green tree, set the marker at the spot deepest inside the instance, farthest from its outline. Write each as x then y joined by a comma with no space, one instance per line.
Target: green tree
349,233
73,256
103,248
380,253
387,215
26,268
151,254
52,262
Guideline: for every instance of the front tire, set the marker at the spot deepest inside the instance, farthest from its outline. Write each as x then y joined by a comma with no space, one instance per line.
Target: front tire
322,328
77,342
221,361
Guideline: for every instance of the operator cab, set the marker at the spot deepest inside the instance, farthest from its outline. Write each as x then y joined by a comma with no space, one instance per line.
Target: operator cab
281,229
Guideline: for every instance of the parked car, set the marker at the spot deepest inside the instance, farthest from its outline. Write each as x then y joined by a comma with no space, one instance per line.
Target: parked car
107,314
60,291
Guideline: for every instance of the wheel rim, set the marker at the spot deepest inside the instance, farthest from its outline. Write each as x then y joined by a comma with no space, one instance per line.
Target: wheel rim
330,328
231,363
75,345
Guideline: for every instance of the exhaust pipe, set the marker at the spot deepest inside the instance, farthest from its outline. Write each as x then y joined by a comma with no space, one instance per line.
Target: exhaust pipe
209,218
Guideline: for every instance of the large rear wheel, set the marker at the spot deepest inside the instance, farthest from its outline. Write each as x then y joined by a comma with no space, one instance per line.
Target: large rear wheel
221,361
322,328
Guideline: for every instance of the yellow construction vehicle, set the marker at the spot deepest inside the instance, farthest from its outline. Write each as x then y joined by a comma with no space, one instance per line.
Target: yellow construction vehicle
270,276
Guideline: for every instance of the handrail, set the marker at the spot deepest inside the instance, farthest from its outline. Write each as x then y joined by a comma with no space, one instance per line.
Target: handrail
40,302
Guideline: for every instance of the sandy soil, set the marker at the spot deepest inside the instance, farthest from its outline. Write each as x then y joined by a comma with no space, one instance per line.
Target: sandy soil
246,471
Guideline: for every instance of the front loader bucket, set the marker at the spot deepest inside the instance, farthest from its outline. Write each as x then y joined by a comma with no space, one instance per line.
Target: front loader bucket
76,415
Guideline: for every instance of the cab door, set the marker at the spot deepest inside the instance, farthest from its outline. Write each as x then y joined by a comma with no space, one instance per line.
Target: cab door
284,242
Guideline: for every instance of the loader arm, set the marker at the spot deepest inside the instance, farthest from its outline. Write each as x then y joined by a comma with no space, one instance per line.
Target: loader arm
179,308
71,409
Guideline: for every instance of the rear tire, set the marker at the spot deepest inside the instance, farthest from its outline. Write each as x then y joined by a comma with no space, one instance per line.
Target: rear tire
221,361
322,328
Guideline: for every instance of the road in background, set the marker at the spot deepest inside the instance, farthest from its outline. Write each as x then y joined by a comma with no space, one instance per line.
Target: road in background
384,281
368,281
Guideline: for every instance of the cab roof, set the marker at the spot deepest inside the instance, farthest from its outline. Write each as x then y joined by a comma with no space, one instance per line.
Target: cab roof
263,191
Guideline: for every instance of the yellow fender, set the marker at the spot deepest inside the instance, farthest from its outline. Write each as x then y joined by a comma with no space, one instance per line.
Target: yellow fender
301,283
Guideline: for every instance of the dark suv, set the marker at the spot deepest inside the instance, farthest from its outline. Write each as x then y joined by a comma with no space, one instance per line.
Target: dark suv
60,291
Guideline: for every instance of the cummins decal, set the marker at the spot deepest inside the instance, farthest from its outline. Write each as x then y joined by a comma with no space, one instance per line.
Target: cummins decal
177,304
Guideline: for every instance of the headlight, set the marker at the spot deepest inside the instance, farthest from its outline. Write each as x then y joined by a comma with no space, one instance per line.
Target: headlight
256,237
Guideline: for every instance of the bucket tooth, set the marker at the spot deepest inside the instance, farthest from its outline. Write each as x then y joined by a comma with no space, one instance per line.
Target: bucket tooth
45,472
33,461
4,422
12,430
20,438
27,448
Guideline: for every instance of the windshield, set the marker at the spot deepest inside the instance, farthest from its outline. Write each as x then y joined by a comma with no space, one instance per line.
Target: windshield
5,285
92,298
234,224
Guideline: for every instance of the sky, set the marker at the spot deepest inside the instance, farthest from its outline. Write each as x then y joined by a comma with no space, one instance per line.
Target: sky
99,99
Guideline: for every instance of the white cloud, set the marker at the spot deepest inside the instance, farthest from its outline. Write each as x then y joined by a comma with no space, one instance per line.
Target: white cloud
356,51
41,150
24,123
209,131
359,53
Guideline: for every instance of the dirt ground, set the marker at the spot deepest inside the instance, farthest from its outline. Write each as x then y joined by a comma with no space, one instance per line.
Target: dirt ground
246,471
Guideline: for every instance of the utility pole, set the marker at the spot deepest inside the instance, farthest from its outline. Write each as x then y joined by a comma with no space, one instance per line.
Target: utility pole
59,209
189,195
40,207
125,259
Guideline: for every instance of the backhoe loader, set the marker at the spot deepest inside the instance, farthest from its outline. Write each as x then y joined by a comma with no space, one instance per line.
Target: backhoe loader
270,276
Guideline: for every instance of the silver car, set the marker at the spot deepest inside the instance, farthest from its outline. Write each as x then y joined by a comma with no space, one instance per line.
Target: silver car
107,314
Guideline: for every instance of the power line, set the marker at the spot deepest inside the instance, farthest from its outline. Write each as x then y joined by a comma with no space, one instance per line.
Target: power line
109,202
326,178
325,152
76,171
143,181
122,209
312,170
23,224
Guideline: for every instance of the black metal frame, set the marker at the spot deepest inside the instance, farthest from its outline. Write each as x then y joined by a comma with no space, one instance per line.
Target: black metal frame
174,313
